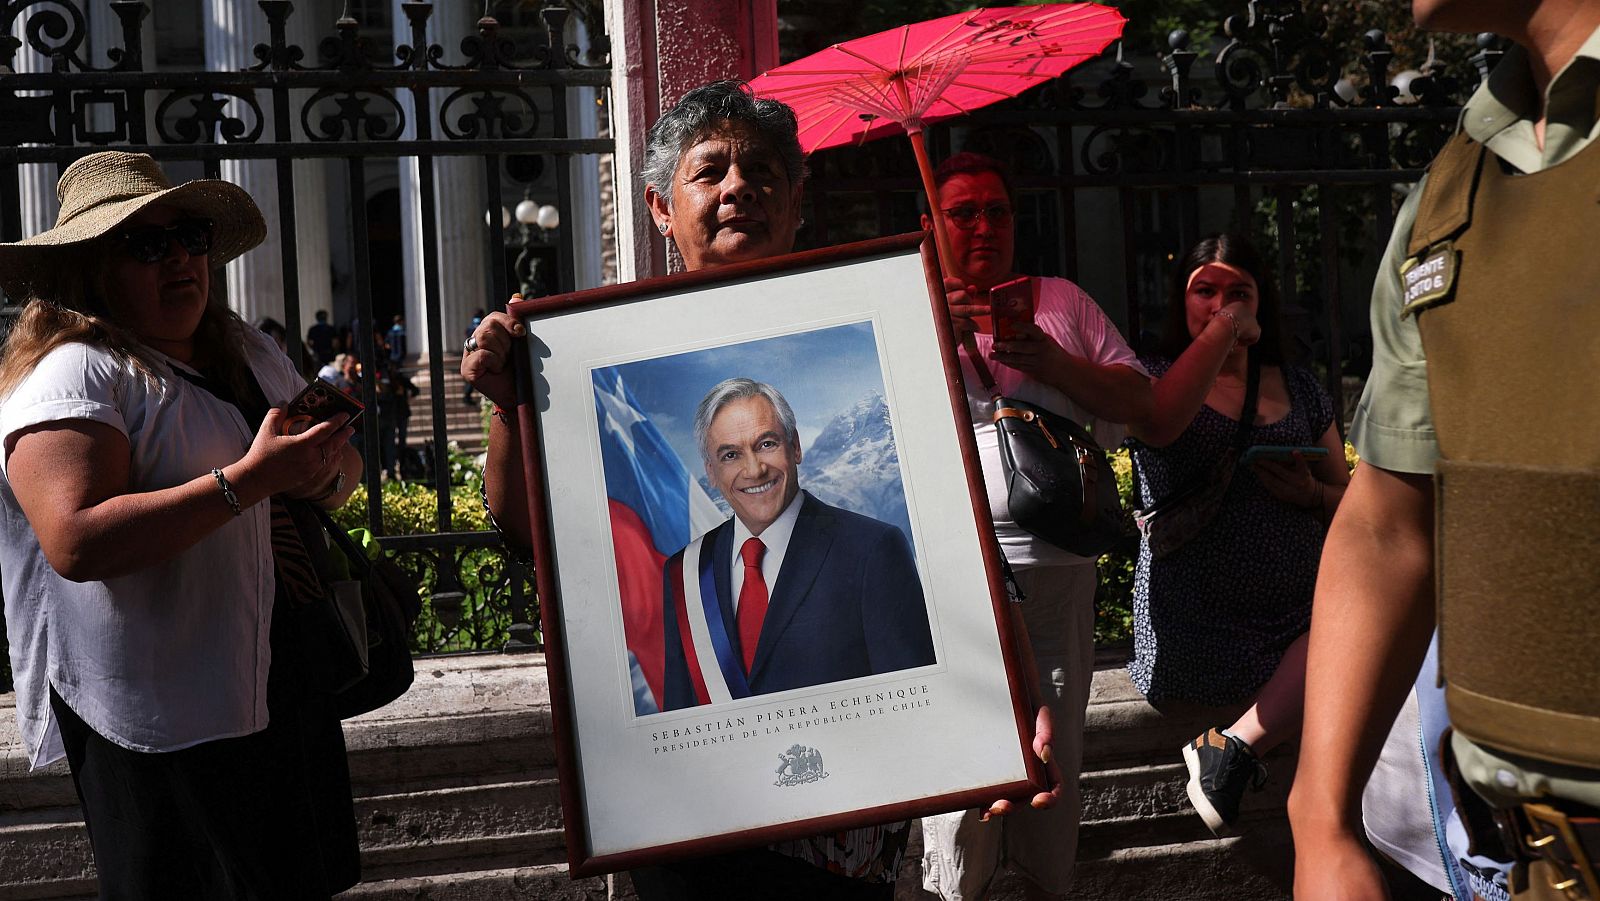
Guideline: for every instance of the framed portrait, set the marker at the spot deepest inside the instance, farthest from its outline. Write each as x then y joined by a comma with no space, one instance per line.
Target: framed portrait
772,604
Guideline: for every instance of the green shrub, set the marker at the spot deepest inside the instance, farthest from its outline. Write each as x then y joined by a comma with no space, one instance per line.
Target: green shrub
482,616
1113,601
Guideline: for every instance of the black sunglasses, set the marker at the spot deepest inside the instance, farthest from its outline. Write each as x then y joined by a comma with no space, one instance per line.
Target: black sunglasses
149,243
966,215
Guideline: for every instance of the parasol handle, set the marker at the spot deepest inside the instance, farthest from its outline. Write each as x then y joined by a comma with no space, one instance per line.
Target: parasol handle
941,238
919,147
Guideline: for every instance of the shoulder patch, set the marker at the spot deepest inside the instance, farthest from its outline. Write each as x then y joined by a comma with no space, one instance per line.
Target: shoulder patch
1429,278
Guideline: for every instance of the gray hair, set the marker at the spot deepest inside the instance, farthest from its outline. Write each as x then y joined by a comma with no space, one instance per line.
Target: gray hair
729,390
704,110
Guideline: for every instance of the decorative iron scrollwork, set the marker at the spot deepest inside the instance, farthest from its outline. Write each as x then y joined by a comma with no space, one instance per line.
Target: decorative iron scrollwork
490,115
130,56
55,29
1121,91
1277,46
592,15
1242,69
418,54
208,118
278,54
352,118
84,106
475,597
346,50
489,49
1123,149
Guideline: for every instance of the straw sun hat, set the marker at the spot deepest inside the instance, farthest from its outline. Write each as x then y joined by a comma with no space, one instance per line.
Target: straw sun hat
101,191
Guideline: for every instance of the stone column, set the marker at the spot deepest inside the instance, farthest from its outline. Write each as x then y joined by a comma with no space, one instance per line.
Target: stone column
660,49
307,29
458,198
584,224
255,280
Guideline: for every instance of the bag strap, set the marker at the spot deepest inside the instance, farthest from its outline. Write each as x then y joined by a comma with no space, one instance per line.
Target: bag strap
1252,390
357,555
970,345
1241,436
253,407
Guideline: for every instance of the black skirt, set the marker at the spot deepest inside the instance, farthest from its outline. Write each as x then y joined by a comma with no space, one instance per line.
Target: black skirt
267,815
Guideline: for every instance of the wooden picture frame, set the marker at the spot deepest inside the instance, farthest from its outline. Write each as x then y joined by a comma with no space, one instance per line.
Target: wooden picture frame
877,692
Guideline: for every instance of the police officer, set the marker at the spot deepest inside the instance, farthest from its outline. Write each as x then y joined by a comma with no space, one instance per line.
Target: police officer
1481,410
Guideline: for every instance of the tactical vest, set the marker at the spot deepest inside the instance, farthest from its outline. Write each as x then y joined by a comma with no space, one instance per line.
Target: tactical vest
1503,275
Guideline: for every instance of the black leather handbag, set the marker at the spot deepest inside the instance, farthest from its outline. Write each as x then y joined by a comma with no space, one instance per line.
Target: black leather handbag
390,604
1059,484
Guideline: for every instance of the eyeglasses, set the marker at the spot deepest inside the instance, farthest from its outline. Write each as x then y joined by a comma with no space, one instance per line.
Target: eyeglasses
966,215
149,243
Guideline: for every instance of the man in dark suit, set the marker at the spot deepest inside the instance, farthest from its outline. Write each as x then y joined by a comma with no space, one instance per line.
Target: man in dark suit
790,592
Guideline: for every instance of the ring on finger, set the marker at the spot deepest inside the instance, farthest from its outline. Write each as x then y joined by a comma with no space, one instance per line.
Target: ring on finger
470,345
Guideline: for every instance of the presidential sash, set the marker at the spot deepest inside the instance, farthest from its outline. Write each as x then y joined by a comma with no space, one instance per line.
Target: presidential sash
715,669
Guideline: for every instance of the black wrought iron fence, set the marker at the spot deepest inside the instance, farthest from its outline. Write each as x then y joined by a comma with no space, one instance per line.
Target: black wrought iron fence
1125,162
500,99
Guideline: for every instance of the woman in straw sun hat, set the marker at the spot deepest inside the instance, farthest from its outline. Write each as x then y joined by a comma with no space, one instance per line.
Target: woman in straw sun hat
141,460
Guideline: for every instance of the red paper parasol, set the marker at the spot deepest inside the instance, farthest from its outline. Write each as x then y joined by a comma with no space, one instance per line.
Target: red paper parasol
913,75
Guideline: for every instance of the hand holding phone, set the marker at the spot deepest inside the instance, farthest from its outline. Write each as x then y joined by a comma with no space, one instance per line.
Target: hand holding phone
318,402
1011,304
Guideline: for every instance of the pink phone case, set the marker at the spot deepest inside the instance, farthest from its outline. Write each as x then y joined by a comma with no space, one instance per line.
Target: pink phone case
1009,304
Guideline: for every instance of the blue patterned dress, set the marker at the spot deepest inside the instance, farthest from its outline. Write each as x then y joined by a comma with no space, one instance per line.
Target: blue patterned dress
1212,619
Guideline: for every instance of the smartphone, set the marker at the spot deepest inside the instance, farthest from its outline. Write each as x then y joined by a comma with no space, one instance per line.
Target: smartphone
319,401
1282,453
1011,304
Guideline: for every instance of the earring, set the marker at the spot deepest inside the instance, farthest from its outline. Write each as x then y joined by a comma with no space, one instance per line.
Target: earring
663,227
800,224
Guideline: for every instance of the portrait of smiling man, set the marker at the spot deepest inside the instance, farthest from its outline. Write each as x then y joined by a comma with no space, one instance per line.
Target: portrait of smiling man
790,592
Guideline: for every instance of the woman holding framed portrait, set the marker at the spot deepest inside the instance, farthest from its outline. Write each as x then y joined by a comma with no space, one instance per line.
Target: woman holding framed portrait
724,175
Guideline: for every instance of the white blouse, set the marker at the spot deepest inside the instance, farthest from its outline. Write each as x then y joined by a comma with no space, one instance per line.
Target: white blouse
177,653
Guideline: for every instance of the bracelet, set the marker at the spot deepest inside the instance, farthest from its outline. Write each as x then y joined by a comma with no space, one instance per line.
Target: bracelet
1232,321
338,484
227,491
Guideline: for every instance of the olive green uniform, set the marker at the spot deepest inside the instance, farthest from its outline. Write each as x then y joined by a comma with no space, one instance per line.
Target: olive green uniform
1499,275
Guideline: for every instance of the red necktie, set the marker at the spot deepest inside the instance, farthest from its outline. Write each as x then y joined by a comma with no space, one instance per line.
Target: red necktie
752,600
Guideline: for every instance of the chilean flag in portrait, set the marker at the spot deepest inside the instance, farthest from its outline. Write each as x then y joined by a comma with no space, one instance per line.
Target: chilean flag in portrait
656,506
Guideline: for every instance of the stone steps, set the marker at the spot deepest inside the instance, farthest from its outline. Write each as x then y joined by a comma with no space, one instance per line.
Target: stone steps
453,781
463,423
457,798
519,883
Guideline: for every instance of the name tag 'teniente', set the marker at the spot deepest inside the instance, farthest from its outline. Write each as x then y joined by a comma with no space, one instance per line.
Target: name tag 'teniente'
1429,279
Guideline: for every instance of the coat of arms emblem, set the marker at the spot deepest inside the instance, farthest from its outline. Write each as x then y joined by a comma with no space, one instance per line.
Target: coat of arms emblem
799,765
